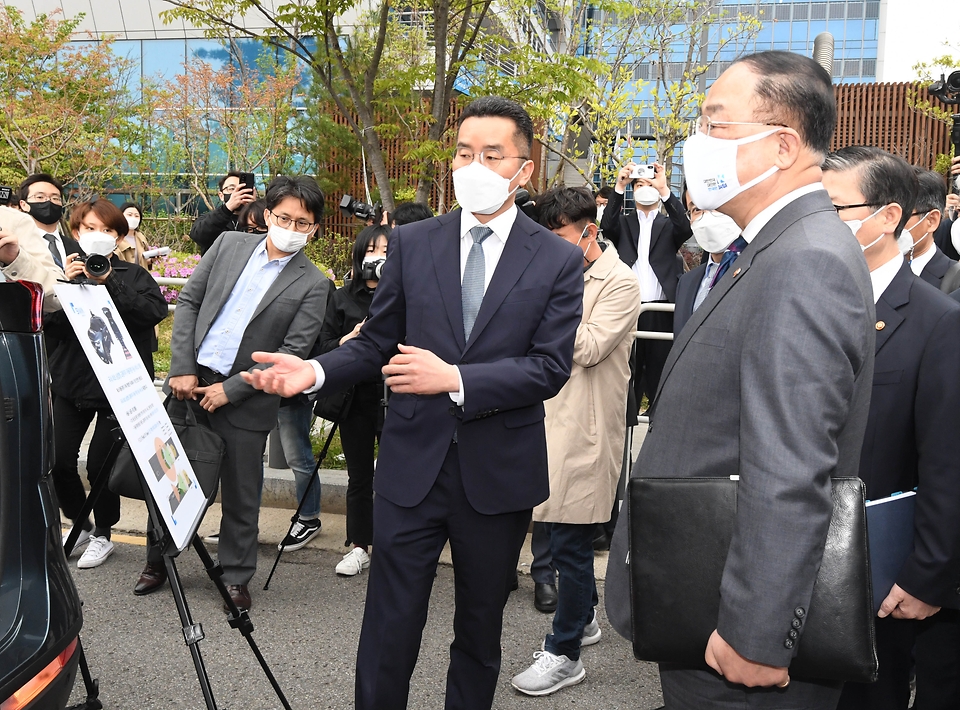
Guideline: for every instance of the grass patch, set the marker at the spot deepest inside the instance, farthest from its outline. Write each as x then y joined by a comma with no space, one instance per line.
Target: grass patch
318,437
161,358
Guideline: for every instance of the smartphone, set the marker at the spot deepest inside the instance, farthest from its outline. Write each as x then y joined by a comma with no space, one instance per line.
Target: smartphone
647,172
248,180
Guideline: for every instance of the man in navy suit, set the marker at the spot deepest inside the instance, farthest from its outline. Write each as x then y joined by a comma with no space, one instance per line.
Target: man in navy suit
483,305
911,437
917,241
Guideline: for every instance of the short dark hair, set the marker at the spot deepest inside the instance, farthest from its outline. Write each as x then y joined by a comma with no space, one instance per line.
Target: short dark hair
233,173
106,212
127,205
883,178
252,211
932,194
410,212
303,187
606,192
796,91
24,188
366,237
503,108
561,206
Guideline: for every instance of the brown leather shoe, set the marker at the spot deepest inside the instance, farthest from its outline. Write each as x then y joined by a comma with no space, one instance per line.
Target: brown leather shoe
240,596
151,579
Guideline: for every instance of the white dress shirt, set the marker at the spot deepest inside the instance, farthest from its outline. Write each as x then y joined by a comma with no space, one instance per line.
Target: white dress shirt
883,275
492,250
650,288
919,263
58,240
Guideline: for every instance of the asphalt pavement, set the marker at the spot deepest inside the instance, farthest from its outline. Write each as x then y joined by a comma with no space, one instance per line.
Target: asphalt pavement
307,626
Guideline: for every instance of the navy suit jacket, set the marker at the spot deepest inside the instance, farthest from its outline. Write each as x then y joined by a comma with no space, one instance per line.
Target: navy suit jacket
519,354
934,271
667,235
911,437
687,289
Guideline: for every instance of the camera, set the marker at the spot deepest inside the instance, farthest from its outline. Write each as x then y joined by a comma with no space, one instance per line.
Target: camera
6,196
647,172
947,88
97,265
361,210
371,270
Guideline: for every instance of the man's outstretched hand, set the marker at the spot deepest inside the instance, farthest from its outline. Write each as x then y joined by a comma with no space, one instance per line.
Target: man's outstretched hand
287,376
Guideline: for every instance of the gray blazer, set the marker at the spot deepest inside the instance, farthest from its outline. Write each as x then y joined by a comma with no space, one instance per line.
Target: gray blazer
772,377
287,320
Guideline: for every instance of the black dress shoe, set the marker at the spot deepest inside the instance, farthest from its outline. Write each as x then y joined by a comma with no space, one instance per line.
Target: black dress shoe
545,597
240,596
151,579
515,584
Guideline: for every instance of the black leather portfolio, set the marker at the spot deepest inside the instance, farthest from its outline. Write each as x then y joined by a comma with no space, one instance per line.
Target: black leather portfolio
680,531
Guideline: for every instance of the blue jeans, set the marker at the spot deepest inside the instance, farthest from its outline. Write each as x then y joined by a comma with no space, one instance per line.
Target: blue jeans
294,421
572,549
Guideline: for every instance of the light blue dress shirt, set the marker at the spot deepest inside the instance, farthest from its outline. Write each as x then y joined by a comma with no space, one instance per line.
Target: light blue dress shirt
219,347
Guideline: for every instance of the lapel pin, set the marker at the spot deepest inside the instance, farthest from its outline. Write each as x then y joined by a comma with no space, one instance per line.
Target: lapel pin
881,325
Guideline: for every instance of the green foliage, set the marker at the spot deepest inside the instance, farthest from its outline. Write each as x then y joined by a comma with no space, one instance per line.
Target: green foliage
332,253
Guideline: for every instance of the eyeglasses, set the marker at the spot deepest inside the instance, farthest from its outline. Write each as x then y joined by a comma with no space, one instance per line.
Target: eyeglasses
488,158
694,213
705,124
301,225
41,197
840,208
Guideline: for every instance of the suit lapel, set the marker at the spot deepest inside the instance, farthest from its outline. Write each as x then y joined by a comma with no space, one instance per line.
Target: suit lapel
656,229
445,247
517,254
294,269
893,298
797,209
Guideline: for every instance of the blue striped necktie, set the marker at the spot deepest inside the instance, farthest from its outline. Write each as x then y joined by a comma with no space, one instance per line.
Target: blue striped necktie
471,288
729,256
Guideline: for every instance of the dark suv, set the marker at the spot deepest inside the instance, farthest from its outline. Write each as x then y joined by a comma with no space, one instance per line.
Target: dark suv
39,607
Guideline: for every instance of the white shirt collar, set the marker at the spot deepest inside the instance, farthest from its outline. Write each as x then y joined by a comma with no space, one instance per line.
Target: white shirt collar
501,224
919,263
882,276
55,232
765,215
648,216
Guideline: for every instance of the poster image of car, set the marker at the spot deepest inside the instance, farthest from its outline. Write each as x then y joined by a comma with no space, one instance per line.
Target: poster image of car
139,409
164,464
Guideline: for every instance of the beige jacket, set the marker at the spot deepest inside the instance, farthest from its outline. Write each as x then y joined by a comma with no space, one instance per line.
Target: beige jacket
586,421
34,262
134,254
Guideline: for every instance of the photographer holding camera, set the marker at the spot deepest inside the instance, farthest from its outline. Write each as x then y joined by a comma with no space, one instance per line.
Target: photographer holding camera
360,424
234,193
78,397
647,242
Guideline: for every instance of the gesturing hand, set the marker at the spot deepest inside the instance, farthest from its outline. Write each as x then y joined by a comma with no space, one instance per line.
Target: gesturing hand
903,605
287,376
725,660
418,371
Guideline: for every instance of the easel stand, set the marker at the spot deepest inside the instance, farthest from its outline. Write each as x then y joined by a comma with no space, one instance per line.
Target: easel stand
193,632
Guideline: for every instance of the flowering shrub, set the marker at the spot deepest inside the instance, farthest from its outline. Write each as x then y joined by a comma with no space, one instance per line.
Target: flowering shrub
176,265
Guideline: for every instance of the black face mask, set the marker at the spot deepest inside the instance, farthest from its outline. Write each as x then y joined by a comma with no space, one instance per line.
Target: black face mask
46,212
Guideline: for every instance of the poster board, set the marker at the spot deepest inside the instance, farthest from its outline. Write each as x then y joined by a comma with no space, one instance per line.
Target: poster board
137,405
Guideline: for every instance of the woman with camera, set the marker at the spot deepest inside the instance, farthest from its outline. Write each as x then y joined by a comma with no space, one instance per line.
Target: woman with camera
99,226
360,424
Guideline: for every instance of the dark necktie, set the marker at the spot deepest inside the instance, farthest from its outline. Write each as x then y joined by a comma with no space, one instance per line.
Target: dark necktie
54,252
729,256
471,288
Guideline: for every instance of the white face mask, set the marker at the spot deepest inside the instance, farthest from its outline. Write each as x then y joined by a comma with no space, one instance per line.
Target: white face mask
646,195
715,231
855,224
287,240
710,168
133,223
600,213
905,241
97,243
480,190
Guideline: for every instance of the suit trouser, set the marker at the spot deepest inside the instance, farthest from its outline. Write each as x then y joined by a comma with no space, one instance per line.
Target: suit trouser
406,547
651,354
542,569
358,436
685,689
938,661
895,639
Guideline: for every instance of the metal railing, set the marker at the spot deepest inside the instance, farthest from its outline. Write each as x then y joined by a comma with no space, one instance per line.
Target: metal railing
652,335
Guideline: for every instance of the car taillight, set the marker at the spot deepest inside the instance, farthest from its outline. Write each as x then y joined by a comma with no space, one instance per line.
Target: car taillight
41,680
36,311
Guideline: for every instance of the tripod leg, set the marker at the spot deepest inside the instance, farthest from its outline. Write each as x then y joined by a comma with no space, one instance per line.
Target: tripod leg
97,484
91,684
238,619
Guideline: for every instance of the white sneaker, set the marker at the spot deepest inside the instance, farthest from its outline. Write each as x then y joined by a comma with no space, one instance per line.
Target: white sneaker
353,563
212,539
81,541
591,632
97,552
548,674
